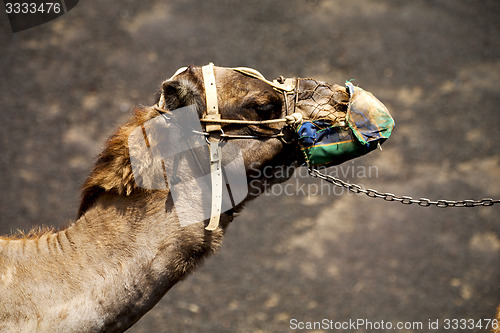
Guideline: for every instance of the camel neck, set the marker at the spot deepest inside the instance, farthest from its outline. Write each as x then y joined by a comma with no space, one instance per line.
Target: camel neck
104,271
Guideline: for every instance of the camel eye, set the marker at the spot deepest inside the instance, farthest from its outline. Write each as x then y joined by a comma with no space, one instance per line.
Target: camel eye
260,107
265,108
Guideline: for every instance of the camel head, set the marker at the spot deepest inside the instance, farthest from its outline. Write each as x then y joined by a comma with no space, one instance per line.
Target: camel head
230,122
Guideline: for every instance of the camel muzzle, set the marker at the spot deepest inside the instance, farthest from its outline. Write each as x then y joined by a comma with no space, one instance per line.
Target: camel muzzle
367,125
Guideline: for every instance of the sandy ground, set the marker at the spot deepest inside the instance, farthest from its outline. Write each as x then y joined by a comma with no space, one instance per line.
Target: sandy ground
67,84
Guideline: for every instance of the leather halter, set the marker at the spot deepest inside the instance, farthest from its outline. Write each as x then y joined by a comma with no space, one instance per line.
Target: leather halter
212,117
213,123
213,120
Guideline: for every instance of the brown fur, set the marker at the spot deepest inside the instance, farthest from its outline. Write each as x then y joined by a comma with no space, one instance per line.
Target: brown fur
112,171
34,233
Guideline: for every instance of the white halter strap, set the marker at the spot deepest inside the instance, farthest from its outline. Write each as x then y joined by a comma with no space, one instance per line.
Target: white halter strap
287,86
213,115
213,122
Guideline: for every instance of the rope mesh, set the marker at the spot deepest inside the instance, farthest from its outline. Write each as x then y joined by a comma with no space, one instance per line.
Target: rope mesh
322,101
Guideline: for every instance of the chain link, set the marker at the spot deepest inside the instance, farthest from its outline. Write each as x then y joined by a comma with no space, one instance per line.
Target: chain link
424,202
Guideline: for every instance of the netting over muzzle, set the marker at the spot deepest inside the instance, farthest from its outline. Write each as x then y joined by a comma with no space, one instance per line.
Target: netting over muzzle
341,123
318,100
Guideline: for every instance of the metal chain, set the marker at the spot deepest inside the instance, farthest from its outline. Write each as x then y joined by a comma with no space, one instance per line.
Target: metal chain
424,202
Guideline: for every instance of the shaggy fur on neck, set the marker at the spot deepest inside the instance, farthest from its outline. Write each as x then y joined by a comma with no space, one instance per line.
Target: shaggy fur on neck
113,172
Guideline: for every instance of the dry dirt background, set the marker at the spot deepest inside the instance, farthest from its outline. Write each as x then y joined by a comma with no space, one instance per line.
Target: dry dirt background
67,84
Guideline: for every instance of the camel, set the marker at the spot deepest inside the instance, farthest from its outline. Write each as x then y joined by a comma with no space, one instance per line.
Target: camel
126,249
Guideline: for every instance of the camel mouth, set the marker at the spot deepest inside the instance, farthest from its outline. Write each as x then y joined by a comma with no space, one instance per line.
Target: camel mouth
336,134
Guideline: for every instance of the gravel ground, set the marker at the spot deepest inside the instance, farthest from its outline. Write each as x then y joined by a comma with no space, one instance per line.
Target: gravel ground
312,253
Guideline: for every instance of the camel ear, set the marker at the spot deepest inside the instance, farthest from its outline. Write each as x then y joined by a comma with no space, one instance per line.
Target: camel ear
179,93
